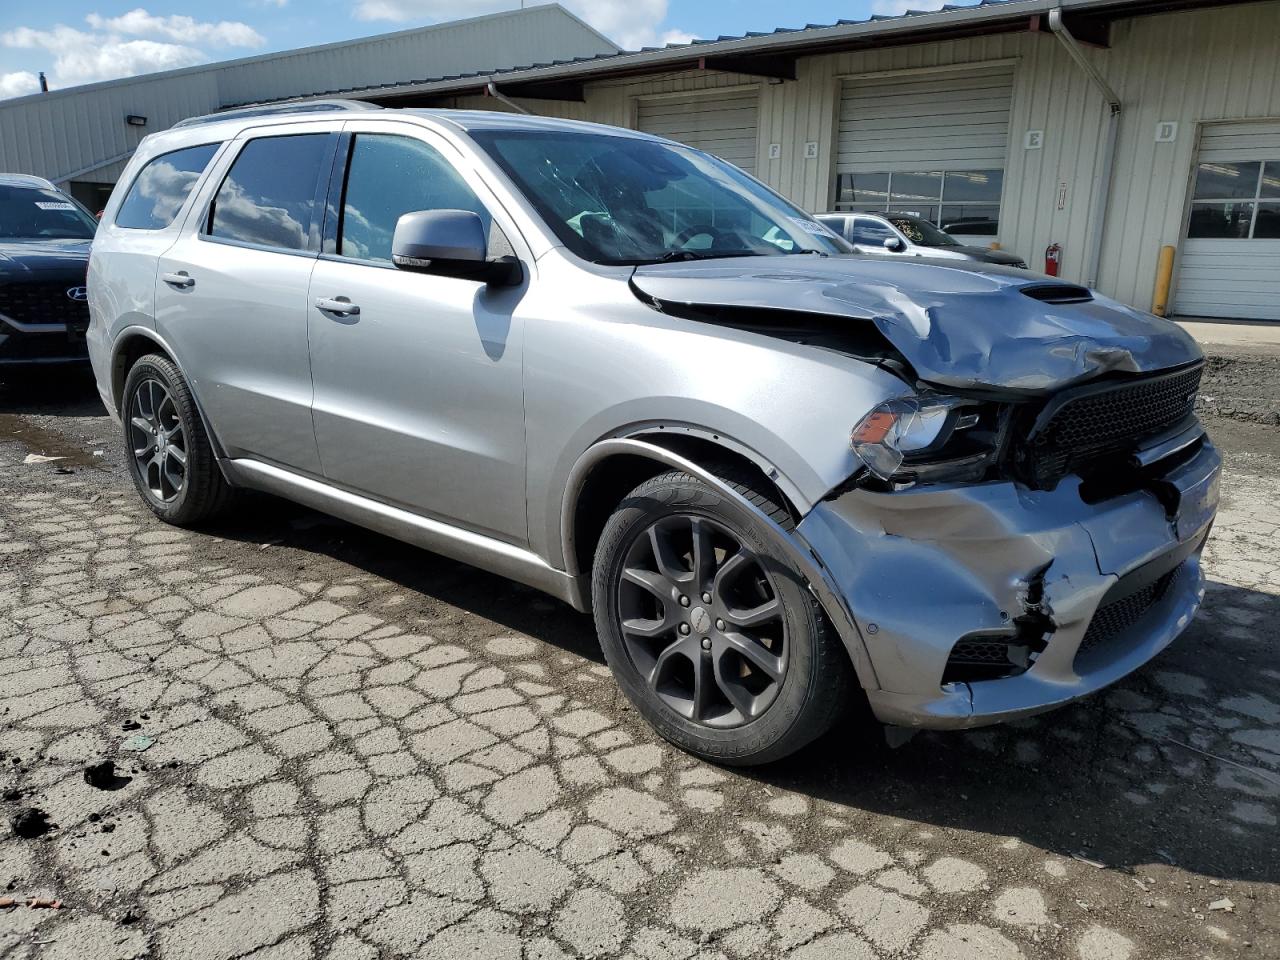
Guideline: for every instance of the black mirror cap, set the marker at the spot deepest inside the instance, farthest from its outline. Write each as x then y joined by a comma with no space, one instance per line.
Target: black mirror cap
450,243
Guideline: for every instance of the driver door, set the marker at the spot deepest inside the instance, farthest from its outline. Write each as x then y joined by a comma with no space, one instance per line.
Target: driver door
419,398
868,236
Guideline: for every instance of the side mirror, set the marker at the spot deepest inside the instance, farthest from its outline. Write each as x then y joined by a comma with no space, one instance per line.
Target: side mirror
892,244
450,243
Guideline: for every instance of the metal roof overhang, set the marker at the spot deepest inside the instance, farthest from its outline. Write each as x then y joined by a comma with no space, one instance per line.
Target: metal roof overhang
774,55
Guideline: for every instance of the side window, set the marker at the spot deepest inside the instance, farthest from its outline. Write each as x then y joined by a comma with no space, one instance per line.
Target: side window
268,197
390,176
871,233
162,188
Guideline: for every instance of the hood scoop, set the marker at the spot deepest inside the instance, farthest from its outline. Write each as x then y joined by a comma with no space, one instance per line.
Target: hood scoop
959,325
1058,293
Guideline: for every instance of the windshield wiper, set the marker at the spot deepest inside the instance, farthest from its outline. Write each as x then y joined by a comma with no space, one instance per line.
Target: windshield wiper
673,256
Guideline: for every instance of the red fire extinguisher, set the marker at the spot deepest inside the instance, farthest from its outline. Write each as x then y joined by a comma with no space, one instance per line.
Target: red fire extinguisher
1053,259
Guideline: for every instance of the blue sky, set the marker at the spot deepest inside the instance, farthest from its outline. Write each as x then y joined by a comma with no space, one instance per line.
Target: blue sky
81,41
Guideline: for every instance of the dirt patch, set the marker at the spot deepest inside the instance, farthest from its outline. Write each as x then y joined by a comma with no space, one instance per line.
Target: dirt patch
1241,386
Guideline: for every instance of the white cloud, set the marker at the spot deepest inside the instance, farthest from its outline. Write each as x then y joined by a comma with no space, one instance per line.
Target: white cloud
18,84
133,43
895,8
630,23
139,23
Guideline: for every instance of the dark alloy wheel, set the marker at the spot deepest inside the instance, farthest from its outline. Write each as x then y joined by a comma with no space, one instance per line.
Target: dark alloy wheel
157,439
707,625
170,458
702,622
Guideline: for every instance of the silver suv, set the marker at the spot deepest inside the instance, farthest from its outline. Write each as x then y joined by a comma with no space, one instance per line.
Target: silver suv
786,479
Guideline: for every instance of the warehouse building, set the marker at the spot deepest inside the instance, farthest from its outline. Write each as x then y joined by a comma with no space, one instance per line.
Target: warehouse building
81,137
1106,130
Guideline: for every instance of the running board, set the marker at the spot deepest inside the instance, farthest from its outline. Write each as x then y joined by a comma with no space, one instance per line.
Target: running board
504,559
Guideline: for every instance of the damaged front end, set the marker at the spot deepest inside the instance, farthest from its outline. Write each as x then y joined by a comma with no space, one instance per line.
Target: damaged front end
1026,523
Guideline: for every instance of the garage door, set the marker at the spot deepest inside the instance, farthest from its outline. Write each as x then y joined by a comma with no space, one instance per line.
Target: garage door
932,144
723,123
1229,265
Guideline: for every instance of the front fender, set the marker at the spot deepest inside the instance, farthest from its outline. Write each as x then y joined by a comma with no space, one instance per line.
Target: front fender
820,580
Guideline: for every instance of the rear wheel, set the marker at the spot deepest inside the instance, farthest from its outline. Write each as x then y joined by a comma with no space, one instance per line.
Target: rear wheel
710,630
170,457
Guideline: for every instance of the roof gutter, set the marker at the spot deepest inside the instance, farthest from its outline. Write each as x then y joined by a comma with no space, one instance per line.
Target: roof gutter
1102,196
491,90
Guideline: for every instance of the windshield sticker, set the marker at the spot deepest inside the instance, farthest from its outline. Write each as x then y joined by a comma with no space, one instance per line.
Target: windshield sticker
814,227
54,205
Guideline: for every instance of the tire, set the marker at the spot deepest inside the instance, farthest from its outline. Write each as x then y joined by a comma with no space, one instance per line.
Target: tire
747,717
202,492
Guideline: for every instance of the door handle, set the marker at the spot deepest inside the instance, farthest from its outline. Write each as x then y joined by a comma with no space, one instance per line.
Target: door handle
339,305
179,279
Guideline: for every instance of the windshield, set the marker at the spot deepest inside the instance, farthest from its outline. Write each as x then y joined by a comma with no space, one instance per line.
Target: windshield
922,233
613,199
30,213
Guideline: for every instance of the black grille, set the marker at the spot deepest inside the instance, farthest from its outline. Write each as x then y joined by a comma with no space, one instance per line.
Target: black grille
1112,619
1081,429
45,302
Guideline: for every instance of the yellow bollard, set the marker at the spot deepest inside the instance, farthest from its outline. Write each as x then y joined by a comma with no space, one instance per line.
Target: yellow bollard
1164,276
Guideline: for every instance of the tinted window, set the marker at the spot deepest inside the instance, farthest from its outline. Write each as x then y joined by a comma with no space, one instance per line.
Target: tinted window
269,195
869,232
163,187
31,213
390,176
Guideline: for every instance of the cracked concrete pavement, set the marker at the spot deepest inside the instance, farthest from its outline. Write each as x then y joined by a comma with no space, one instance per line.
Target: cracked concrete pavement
362,750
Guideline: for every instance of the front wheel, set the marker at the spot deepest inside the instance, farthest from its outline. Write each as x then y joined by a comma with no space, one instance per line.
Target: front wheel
709,628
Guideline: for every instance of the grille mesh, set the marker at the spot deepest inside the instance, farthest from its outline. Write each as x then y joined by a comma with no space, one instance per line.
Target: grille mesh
1112,619
1100,423
43,303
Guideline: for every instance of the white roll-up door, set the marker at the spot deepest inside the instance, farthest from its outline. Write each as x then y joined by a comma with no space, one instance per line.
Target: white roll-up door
723,123
929,143
1229,262
948,120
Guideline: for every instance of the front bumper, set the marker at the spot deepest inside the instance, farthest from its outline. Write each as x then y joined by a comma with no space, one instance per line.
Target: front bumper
34,343
919,569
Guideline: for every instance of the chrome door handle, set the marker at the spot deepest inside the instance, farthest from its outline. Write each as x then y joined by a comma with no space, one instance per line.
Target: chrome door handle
179,279
339,305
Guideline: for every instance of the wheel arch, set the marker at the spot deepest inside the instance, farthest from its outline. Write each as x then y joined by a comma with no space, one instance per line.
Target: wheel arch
131,345
608,470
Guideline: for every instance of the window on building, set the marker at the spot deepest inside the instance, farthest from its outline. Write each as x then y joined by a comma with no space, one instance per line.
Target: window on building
1236,201
162,188
390,176
958,201
268,197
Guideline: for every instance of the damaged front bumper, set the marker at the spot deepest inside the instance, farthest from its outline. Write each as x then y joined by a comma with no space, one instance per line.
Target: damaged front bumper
923,568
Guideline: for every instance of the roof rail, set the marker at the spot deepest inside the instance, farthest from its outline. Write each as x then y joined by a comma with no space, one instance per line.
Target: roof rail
273,109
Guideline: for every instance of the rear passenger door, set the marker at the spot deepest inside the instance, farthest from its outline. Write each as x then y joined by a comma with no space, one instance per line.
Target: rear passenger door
232,292
419,394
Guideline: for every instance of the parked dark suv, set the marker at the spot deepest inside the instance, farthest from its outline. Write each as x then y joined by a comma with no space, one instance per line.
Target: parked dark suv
44,253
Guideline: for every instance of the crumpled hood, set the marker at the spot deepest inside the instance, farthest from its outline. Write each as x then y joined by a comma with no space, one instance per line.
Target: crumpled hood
20,258
959,324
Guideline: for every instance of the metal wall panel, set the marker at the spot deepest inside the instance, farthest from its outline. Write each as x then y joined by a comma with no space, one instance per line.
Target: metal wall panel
934,120
721,124
57,134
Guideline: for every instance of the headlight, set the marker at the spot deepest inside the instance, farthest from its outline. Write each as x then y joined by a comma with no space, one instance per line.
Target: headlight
897,428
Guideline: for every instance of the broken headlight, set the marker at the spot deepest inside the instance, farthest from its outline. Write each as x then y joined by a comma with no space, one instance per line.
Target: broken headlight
926,437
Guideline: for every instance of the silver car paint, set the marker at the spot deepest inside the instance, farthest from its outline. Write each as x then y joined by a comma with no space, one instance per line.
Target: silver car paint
604,373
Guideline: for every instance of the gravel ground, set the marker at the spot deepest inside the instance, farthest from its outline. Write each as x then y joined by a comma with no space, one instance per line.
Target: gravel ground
362,750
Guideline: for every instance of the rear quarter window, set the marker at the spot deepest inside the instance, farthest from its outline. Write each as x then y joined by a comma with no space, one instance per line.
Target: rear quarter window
162,187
